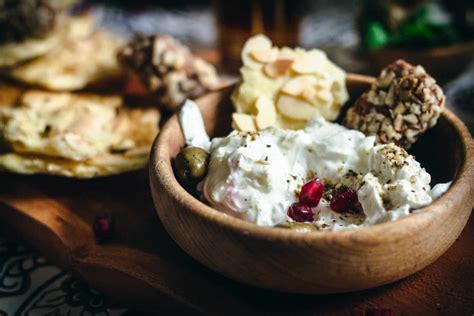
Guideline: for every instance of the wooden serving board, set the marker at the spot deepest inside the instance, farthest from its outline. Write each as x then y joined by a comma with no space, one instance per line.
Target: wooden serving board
144,268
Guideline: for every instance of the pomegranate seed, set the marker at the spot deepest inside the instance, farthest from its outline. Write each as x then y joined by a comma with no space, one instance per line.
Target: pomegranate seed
103,227
300,212
312,192
344,200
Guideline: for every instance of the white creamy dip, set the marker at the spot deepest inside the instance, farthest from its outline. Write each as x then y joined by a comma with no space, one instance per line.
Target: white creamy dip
257,176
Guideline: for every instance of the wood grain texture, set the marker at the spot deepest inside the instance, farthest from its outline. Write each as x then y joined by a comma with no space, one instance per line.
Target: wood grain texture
313,263
143,267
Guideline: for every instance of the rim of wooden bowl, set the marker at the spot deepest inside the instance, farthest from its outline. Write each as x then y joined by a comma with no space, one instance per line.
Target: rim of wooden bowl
161,169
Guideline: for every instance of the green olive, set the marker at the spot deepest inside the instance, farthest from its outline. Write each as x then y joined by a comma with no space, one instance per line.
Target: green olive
191,165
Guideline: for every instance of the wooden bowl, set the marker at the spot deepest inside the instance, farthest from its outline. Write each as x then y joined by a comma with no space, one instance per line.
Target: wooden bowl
316,262
443,63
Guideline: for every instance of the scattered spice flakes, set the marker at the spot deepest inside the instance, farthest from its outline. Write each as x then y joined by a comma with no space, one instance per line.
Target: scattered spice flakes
387,203
351,173
394,155
311,175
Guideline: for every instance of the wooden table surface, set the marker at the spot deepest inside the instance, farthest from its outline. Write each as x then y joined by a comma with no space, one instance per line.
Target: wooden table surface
144,268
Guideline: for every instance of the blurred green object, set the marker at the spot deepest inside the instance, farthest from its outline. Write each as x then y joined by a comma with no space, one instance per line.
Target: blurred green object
428,25
375,36
389,23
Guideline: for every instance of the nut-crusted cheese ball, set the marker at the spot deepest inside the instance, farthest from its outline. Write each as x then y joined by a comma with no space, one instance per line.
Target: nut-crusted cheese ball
286,87
401,105
168,69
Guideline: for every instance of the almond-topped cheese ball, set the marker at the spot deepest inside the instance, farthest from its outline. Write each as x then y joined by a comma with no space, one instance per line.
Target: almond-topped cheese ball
285,87
403,103
74,135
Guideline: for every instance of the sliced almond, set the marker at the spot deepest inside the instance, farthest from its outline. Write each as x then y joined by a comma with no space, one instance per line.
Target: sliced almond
324,97
243,122
266,113
411,118
309,94
295,108
265,55
296,85
411,134
286,53
397,123
323,84
310,62
256,43
280,67
169,58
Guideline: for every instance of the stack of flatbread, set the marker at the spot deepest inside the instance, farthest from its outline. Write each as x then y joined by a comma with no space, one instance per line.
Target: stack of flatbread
75,55
47,127
73,135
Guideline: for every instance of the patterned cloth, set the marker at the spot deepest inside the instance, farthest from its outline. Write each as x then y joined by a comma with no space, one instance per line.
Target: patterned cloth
29,285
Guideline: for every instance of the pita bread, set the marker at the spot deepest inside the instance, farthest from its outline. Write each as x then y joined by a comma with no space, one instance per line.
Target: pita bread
64,125
104,165
74,135
14,53
9,95
74,65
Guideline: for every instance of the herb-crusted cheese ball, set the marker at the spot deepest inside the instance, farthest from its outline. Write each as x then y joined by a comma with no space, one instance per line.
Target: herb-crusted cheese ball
403,103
